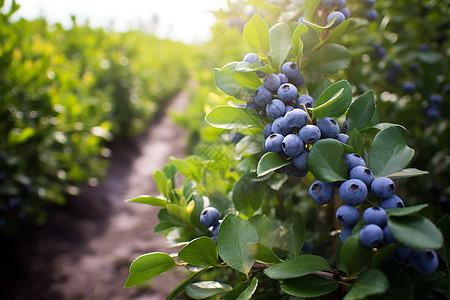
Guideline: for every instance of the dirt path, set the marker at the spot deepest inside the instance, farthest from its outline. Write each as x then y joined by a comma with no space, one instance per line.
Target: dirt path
85,250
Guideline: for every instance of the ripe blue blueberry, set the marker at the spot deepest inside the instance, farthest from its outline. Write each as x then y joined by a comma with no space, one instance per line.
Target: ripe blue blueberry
383,187
369,3
275,108
273,143
353,192
288,108
328,127
321,192
209,216
267,130
424,262
287,92
340,18
409,87
294,171
347,215
216,228
292,145
272,82
380,52
279,126
353,160
301,161
290,69
375,215
345,233
343,138
345,11
304,100
251,58
344,127
371,15
295,119
433,112
283,78
393,202
435,99
401,255
362,173
309,134
388,237
262,96
371,236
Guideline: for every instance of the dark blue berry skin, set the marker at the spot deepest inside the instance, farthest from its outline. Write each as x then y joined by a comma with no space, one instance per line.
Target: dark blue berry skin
409,87
353,192
424,262
344,127
309,134
294,171
343,138
290,69
345,233
216,227
433,112
345,11
295,119
275,109
329,128
267,130
262,96
424,48
353,160
340,18
380,52
272,82
340,3
297,81
392,202
362,173
347,215
371,236
279,126
435,99
306,100
251,58
301,161
287,92
283,78
209,217
383,187
388,237
401,255
292,145
321,192
288,108
369,3
371,15
273,143
375,215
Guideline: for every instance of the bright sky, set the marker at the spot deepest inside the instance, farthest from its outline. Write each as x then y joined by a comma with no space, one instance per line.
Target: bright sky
182,20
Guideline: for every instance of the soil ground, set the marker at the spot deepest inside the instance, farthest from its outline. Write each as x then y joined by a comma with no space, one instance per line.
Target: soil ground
85,249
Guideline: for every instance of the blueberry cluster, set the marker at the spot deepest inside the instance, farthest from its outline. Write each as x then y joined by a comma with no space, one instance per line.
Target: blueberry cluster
371,13
210,217
341,10
432,107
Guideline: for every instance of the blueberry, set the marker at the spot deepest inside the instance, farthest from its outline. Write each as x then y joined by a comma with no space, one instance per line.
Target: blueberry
340,3
339,17
295,119
344,127
424,48
273,143
433,112
362,173
309,134
294,171
347,215
292,145
345,233
345,11
343,138
288,108
353,160
267,130
393,202
290,69
216,227
409,87
321,192
383,187
353,192
380,52
306,100
371,236
369,3
262,95
371,15
287,92
272,82
328,127
301,161
251,58
275,108
388,237
209,217
283,78
375,215
424,262
279,126
401,255
435,99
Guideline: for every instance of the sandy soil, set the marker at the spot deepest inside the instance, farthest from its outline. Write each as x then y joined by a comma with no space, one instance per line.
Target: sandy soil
86,248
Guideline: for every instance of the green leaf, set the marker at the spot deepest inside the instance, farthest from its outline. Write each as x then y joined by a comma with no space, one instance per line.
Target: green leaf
269,162
334,101
233,117
370,282
264,227
200,252
297,44
234,235
249,291
161,182
309,286
237,84
361,111
355,141
18,135
326,160
415,231
383,254
310,8
346,27
409,172
148,266
261,253
144,199
298,266
329,59
280,43
444,225
354,255
206,289
389,153
248,193
400,284
405,210
188,280
244,66
256,34
290,236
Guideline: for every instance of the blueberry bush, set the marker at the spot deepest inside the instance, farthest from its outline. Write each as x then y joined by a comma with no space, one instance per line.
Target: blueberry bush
296,193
